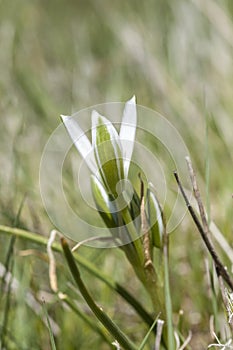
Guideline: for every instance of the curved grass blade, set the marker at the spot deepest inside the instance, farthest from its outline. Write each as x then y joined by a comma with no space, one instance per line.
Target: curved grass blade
53,345
112,328
168,303
41,240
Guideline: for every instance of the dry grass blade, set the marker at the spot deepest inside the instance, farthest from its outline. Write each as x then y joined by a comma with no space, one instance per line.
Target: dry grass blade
186,342
52,262
220,269
160,324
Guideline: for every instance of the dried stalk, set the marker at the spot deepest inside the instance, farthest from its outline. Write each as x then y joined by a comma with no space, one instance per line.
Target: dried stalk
203,229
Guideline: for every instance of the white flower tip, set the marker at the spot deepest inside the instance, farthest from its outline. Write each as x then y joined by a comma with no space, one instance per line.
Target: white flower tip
95,116
132,100
151,186
64,118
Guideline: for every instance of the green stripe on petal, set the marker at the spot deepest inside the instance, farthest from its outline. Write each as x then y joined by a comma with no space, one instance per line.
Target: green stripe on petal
107,148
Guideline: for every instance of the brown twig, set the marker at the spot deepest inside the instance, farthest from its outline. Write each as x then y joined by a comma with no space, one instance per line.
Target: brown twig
220,269
206,227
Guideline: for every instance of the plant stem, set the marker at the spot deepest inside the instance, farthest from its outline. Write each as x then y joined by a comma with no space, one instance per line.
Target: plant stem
146,274
133,234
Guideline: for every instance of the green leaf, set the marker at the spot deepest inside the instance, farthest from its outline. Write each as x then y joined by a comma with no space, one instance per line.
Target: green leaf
155,219
103,203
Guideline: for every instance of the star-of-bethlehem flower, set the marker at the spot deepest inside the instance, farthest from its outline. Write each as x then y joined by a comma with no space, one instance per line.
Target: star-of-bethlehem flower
108,158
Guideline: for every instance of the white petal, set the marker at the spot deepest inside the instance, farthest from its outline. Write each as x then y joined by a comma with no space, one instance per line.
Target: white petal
128,131
80,141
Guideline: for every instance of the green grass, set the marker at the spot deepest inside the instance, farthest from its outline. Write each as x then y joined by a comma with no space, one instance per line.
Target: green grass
58,57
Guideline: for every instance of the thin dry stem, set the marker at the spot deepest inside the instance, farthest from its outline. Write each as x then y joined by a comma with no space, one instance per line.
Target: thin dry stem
186,342
197,196
92,239
52,262
220,269
160,324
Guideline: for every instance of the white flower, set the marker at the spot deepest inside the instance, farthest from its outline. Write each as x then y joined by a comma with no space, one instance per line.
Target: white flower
109,155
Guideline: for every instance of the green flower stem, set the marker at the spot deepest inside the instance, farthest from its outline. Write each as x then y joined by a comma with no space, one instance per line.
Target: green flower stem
156,293
133,233
146,275
41,240
137,259
113,329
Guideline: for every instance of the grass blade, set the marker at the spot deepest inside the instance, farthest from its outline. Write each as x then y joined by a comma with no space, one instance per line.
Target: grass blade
41,240
112,328
168,302
141,347
53,345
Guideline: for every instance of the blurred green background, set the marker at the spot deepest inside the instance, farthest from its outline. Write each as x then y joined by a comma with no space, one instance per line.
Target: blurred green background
57,57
